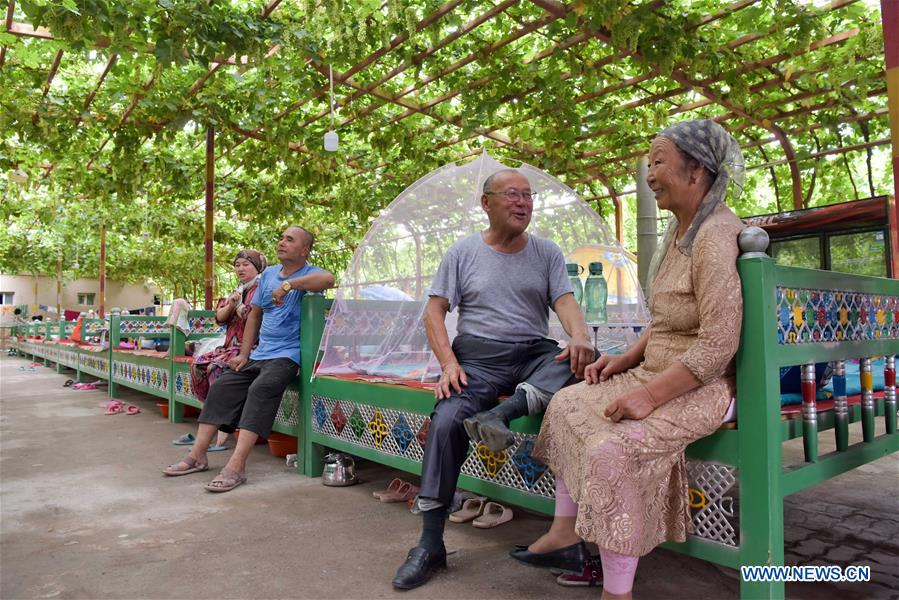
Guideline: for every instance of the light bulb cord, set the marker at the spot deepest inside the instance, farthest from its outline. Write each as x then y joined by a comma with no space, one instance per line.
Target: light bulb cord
331,76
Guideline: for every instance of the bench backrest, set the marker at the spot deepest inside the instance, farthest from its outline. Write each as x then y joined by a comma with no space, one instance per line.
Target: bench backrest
795,316
202,325
137,326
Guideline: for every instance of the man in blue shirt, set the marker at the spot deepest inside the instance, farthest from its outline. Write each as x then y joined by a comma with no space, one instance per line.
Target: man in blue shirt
247,395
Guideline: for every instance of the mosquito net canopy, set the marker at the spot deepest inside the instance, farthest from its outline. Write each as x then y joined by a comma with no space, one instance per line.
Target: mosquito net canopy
375,325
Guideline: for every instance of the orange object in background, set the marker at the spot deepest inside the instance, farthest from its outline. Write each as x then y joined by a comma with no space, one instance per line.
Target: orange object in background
619,269
281,445
76,332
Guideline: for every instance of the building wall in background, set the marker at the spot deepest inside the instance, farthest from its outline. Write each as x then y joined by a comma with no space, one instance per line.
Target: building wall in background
42,290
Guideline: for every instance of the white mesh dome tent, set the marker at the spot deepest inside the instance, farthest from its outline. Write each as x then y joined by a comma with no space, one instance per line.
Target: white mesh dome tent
375,325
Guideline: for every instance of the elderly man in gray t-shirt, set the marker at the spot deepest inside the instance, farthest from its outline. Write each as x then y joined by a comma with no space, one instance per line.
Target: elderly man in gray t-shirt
503,281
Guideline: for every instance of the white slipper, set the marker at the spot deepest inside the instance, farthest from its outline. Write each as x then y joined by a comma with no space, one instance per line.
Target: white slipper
471,509
494,514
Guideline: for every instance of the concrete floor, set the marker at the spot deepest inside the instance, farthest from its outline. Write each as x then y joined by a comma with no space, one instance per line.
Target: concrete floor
86,513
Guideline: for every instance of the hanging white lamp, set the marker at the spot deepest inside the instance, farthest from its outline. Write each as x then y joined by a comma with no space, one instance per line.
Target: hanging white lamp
331,138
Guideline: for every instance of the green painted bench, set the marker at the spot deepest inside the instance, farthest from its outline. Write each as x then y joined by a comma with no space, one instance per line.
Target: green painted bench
737,476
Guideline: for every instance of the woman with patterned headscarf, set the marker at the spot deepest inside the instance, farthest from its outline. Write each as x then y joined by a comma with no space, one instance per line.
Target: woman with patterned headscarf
616,441
231,312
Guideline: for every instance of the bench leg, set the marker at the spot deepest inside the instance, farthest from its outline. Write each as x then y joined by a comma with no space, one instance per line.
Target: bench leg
761,518
176,411
310,463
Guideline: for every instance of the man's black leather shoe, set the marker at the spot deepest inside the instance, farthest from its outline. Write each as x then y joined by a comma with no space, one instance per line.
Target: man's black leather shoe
570,559
418,568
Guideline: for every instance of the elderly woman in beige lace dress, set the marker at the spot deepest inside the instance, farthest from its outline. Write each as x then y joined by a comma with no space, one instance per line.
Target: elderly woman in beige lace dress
616,441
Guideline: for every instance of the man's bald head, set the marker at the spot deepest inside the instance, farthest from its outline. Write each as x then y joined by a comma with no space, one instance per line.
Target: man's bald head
295,245
297,229
496,179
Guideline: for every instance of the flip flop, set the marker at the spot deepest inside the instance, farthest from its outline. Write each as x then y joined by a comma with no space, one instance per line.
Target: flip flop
68,383
471,509
27,369
216,448
193,466
393,486
227,480
132,410
402,493
494,514
114,407
187,439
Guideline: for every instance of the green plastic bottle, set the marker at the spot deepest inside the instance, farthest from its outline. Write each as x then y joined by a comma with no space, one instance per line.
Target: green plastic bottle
596,294
574,272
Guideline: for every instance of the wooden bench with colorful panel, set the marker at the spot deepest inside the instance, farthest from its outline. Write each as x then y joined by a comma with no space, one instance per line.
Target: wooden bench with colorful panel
93,356
146,370
67,356
737,476
202,325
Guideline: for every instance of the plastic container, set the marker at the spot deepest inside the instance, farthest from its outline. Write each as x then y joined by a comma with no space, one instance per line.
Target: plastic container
596,294
281,445
574,276
163,409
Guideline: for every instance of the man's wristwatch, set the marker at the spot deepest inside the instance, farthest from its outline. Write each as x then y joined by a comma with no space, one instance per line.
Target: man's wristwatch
286,286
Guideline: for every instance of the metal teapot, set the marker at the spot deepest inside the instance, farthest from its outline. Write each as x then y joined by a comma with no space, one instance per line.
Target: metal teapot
340,470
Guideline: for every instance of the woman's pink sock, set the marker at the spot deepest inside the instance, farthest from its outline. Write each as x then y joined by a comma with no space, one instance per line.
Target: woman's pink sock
618,572
565,505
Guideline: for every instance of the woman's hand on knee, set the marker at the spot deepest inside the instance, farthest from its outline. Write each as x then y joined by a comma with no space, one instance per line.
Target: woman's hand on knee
604,367
633,404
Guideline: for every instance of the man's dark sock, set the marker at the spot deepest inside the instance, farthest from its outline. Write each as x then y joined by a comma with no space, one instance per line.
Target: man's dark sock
432,525
512,407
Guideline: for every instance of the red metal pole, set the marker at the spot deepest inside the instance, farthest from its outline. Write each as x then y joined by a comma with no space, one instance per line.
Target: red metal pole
102,271
889,13
210,183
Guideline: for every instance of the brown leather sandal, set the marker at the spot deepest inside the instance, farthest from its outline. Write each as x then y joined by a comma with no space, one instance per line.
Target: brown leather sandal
193,466
226,480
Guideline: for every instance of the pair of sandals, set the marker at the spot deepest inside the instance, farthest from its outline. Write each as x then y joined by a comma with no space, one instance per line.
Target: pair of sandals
225,481
397,491
117,407
482,514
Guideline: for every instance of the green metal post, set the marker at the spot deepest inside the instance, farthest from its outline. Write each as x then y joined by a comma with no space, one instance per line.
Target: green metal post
868,408
809,413
758,423
309,461
176,348
840,405
889,393
62,335
115,328
46,335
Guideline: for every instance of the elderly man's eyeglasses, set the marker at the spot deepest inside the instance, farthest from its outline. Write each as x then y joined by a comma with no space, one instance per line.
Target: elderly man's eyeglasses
515,195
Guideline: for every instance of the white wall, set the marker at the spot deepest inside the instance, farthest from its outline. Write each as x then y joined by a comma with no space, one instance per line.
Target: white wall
42,290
